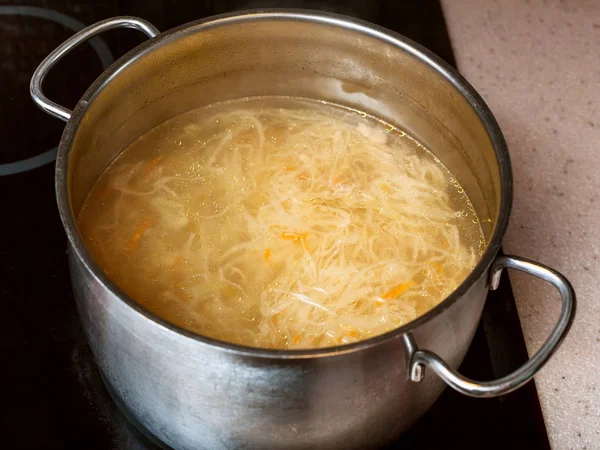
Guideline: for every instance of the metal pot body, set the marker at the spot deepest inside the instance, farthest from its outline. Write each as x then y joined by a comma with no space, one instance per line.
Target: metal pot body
193,392
191,395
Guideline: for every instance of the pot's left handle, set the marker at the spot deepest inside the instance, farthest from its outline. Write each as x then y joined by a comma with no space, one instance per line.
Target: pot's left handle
35,87
419,359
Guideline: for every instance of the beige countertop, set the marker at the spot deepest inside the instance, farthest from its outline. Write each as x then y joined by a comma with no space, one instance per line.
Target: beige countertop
537,64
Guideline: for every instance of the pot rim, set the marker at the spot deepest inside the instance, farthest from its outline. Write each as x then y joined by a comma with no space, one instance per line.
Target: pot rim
402,43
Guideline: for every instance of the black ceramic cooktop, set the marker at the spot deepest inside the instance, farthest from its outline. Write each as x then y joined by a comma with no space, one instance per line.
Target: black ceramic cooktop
52,396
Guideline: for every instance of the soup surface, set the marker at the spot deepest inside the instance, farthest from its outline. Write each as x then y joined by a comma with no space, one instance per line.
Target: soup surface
281,223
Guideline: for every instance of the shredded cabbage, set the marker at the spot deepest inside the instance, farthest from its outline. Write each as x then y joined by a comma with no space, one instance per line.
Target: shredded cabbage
282,223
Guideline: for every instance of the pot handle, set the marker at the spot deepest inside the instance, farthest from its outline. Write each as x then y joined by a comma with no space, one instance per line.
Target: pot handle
419,359
35,87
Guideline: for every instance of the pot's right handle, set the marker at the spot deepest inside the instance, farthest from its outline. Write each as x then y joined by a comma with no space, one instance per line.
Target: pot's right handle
421,358
35,87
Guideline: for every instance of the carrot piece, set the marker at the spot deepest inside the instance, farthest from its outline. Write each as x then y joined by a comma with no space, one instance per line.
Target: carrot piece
293,236
397,290
154,163
138,234
437,266
178,259
297,339
267,254
353,333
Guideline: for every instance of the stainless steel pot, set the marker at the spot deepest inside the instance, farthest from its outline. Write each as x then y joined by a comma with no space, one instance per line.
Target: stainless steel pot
195,392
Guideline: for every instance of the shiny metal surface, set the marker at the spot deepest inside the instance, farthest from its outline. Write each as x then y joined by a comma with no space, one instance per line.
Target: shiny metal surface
191,394
35,87
195,392
516,379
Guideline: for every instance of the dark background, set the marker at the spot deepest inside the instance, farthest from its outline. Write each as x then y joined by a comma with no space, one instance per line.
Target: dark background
52,396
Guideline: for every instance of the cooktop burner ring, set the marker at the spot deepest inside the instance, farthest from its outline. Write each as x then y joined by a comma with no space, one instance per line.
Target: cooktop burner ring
99,46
